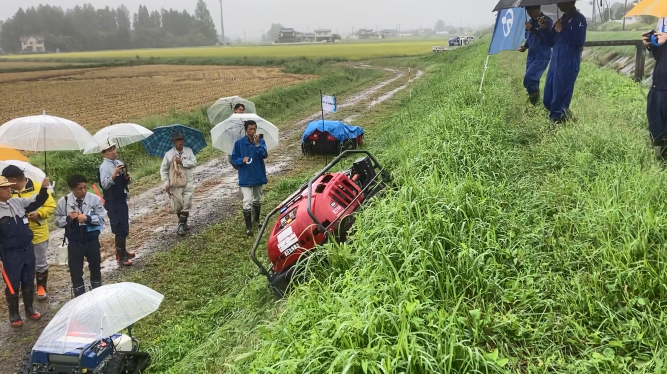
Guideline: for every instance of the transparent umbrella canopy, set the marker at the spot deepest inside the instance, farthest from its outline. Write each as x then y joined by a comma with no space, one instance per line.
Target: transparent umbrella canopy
223,108
123,134
226,133
97,314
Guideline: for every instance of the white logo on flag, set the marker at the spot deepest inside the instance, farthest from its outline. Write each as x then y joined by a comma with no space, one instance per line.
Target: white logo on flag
508,21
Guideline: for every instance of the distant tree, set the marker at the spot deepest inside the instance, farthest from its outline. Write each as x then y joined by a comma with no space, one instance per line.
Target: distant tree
273,32
206,25
440,25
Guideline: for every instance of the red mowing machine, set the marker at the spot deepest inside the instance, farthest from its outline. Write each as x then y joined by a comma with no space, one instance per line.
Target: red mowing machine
321,209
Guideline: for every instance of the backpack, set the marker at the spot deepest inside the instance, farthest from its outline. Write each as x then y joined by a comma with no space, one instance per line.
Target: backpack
177,176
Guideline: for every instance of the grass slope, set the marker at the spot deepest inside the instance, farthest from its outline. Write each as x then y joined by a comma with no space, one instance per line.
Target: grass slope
502,248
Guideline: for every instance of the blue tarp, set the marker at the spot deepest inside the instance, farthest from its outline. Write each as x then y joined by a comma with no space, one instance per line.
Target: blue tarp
337,129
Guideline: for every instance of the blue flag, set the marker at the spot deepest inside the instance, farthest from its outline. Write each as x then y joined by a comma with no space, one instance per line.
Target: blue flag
510,30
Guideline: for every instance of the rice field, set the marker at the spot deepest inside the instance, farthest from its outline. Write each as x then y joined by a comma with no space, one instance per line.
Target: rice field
349,51
99,96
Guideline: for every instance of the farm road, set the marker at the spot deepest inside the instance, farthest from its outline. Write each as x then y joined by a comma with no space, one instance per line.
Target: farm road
153,228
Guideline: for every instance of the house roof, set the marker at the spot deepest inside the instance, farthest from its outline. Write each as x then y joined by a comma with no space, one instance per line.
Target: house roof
323,30
25,38
287,30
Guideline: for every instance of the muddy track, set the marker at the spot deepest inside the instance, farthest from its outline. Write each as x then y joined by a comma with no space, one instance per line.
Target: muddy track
153,228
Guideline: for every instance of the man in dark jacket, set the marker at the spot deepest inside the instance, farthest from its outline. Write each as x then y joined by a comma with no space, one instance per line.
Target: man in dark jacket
114,180
567,37
539,52
17,255
248,155
656,106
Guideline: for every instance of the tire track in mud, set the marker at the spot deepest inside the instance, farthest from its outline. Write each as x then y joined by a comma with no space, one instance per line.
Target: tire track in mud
153,228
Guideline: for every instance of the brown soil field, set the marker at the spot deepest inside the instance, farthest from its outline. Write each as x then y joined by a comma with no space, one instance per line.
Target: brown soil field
97,97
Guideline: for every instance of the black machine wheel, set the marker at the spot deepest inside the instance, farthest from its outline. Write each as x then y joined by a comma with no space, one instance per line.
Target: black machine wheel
125,363
344,228
26,365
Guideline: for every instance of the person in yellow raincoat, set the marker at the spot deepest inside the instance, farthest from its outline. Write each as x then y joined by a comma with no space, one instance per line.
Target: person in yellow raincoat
26,188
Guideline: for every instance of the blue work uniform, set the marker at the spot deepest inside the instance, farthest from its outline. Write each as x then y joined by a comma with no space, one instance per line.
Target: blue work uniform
656,105
254,173
115,198
16,249
565,61
539,54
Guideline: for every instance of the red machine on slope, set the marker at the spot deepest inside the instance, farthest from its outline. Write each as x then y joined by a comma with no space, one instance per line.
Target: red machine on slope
318,210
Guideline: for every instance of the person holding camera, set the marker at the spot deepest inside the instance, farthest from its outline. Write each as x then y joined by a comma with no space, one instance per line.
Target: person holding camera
26,188
17,254
81,214
176,173
539,52
248,155
567,37
114,180
656,102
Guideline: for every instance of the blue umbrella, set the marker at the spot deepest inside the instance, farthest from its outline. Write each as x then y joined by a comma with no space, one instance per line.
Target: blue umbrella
160,142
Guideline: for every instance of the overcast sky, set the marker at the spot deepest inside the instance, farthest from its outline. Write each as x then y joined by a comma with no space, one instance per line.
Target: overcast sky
253,16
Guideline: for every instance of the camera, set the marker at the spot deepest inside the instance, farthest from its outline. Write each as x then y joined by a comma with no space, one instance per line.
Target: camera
261,136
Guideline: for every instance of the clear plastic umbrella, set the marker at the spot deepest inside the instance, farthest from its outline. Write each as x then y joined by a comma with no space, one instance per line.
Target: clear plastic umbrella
97,314
223,108
122,133
226,133
30,171
43,133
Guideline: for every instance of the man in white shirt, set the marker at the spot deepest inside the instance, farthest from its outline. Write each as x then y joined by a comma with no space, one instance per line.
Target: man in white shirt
181,196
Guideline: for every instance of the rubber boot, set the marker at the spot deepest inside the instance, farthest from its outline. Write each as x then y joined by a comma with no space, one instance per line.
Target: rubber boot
256,210
78,291
41,285
94,285
181,224
247,215
28,291
186,215
13,308
534,97
658,151
122,242
121,252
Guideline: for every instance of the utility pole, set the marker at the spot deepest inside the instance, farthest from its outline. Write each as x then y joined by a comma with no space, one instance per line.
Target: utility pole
593,14
222,25
244,36
625,11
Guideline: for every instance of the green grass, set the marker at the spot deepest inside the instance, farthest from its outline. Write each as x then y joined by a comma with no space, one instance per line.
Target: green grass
252,54
500,248
279,106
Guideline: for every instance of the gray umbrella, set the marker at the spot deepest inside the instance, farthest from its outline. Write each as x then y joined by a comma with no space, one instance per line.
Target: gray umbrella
506,4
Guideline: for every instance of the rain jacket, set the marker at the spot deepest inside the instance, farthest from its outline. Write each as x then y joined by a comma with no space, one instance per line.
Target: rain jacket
252,174
40,230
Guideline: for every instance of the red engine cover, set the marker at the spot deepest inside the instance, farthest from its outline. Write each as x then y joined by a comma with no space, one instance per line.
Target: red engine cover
295,232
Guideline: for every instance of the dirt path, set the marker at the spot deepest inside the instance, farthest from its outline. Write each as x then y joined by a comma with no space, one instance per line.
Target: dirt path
153,228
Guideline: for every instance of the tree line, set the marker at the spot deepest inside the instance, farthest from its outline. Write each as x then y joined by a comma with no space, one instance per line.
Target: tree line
85,28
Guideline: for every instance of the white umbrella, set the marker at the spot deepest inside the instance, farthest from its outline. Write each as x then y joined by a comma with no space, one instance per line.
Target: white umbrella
97,314
30,171
226,133
122,133
223,108
43,133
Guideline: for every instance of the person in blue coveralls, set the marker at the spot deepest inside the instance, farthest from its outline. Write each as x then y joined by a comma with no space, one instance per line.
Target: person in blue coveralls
656,104
248,156
539,52
567,37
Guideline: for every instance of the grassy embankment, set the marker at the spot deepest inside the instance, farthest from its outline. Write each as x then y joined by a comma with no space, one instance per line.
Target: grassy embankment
502,248
279,106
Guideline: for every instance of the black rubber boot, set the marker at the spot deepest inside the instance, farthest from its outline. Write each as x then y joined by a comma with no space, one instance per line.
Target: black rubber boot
247,215
78,291
181,224
256,210
534,97
28,291
13,308
185,220
94,285
41,285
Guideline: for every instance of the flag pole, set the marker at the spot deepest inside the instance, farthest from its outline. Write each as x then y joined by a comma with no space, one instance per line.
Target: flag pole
326,159
486,66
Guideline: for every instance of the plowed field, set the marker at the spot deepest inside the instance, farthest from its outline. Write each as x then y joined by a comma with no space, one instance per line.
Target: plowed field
97,97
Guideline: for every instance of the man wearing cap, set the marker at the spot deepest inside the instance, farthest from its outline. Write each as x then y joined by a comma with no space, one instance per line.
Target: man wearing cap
17,255
81,214
181,197
114,180
26,188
